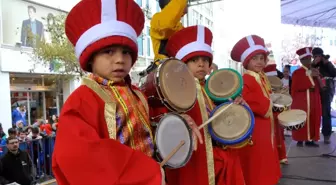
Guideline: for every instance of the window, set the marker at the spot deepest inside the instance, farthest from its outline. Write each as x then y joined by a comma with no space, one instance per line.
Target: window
331,42
200,19
140,45
147,3
139,2
157,6
148,42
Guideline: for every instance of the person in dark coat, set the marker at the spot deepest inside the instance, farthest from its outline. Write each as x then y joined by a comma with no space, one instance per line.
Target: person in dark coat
16,164
328,72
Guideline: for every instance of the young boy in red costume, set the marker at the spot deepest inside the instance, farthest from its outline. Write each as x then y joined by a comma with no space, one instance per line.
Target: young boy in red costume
210,164
306,83
260,161
270,70
104,134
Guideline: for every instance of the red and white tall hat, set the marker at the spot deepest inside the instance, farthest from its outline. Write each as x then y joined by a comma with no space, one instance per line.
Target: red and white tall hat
305,52
248,47
95,24
271,70
190,42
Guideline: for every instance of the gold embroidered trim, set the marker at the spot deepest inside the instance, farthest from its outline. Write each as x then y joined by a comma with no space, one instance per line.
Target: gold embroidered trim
308,114
269,113
109,109
310,77
142,99
207,136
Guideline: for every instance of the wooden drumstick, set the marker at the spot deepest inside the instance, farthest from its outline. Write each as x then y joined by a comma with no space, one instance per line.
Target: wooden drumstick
214,117
172,153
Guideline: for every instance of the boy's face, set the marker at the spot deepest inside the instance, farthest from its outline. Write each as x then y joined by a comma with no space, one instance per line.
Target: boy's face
199,66
257,63
306,61
112,63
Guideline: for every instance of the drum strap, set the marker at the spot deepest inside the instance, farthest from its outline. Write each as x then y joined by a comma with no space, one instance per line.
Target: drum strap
142,99
207,137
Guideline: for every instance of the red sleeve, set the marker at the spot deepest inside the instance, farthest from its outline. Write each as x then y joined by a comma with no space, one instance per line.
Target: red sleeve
300,81
254,97
83,157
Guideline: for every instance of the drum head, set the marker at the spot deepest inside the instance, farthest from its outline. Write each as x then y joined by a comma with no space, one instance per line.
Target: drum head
275,82
233,125
281,100
292,117
177,84
224,84
171,130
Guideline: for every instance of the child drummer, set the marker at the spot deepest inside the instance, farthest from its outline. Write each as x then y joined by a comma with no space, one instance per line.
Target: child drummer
209,164
104,124
271,70
260,161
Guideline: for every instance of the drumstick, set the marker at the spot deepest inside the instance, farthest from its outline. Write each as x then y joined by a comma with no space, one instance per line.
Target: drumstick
172,153
214,117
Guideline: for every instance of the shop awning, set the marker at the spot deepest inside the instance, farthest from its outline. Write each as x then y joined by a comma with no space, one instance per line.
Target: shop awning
315,13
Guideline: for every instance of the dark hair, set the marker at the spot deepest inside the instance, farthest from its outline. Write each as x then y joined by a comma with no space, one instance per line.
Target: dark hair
10,138
327,57
35,130
21,131
317,51
287,66
12,131
32,7
163,3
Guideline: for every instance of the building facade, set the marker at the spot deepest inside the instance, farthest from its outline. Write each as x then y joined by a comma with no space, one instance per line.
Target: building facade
35,86
24,81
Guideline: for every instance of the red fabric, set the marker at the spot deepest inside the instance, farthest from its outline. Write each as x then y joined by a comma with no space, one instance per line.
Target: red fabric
243,45
227,165
279,138
300,84
186,36
260,161
46,128
87,13
85,155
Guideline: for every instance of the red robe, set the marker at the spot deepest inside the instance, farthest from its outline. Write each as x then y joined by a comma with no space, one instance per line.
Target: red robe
278,129
300,84
208,165
86,150
260,161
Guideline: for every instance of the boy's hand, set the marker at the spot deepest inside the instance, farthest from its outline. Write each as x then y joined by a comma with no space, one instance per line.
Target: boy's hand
195,131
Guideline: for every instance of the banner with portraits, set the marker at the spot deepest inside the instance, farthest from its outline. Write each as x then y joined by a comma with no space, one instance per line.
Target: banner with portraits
22,22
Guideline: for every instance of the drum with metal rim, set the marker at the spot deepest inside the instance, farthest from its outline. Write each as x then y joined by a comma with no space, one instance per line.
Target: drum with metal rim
171,85
224,84
275,82
171,130
293,119
233,128
281,102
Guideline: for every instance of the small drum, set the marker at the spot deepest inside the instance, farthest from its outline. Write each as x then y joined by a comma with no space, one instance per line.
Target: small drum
171,130
171,85
281,102
234,127
224,84
275,82
293,119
